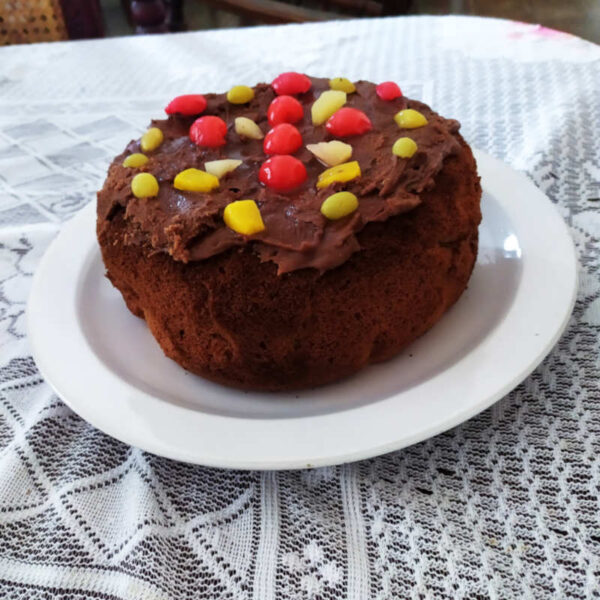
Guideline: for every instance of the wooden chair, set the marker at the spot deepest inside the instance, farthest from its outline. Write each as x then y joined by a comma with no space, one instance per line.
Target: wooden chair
23,21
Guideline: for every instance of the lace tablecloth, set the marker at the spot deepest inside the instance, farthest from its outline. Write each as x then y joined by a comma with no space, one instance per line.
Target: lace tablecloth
504,506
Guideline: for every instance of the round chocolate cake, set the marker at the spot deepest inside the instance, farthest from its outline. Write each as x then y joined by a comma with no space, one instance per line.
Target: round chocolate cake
285,236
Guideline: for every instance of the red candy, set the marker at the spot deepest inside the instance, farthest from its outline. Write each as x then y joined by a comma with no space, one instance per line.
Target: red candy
388,90
348,121
291,83
282,173
282,139
208,131
188,104
284,109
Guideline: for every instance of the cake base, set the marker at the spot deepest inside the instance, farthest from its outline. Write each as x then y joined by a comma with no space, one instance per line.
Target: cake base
233,320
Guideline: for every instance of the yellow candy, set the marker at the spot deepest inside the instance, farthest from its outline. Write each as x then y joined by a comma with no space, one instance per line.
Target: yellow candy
218,168
152,139
135,160
144,185
326,104
404,147
195,180
339,205
345,172
410,119
246,127
243,216
342,84
240,94
331,153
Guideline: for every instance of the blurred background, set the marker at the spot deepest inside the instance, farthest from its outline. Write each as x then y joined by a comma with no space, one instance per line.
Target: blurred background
26,21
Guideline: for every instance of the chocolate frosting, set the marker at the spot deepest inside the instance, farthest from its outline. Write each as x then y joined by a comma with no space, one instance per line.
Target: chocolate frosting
189,225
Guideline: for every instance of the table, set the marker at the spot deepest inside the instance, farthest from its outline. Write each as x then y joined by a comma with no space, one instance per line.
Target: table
504,506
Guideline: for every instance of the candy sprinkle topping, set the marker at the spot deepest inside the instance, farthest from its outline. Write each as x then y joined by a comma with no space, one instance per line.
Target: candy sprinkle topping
282,173
326,104
188,104
135,160
404,147
282,139
240,94
208,131
348,121
144,185
291,83
331,153
243,216
340,205
339,173
152,139
388,90
247,128
342,84
410,119
195,180
219,168
284,109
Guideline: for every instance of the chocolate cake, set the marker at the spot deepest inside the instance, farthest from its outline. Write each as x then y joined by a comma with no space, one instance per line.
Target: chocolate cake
257,272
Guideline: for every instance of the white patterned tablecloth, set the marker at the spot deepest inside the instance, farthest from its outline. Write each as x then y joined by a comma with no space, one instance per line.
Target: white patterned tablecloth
504,506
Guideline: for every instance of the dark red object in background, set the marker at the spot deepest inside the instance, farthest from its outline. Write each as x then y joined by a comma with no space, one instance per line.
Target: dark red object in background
155,16
83,18
149,16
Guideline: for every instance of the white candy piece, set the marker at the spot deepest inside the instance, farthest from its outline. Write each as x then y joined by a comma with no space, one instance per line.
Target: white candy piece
246,127
331,153
218,168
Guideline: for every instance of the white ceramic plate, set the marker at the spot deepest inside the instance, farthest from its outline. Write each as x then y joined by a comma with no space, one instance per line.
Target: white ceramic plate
106,366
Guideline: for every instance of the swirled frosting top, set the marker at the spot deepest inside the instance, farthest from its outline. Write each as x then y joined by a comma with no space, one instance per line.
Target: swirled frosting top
189,225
